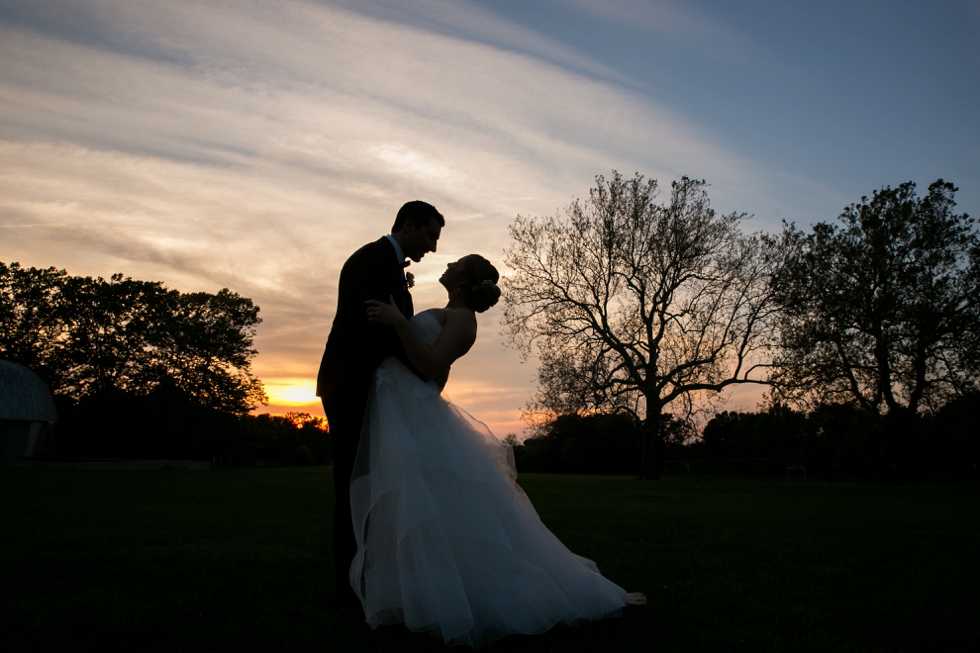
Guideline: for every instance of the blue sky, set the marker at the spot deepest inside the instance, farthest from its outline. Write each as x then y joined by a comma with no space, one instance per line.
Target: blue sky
854,95
254,145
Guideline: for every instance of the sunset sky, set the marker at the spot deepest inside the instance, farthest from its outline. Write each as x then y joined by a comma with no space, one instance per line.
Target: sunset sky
255,145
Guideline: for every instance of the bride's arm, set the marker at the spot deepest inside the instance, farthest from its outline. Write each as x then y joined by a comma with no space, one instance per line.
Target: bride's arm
456,338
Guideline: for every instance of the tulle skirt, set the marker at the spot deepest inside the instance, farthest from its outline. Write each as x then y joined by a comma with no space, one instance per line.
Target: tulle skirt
447,542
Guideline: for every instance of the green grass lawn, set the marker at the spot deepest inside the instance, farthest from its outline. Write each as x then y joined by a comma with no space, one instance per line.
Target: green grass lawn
239,560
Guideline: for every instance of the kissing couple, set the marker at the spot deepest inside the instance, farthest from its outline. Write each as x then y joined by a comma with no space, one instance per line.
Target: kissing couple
430,527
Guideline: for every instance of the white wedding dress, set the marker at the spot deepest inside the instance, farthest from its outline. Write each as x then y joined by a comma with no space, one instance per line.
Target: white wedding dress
447,542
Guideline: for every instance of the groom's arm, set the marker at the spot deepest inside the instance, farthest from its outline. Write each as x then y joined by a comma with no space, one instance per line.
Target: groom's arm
383,339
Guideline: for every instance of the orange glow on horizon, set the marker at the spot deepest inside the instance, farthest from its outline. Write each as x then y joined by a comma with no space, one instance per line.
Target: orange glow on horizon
293,393
298,395
290,395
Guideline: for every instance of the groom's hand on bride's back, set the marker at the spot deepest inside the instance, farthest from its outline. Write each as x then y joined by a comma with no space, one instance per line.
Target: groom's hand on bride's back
383,313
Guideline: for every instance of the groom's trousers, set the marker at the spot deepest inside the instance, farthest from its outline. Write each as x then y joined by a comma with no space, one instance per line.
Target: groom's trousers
345,419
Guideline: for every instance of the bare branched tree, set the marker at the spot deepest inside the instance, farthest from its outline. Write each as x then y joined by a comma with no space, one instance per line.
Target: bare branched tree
633,305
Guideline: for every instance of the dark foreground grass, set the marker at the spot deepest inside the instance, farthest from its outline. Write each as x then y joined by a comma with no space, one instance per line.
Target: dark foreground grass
239,560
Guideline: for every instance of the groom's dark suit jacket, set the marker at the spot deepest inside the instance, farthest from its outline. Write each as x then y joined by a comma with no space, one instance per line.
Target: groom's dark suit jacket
356,347
354,350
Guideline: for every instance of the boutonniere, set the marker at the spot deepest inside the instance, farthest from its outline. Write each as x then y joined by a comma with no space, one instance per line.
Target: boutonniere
409,279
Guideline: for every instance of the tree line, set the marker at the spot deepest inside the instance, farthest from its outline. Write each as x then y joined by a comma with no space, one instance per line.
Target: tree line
138,369
833,441
652,309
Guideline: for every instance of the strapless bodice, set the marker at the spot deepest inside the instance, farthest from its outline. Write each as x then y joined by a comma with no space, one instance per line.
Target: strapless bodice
426,326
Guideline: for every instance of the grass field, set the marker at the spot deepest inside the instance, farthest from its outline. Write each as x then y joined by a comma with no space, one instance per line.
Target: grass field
239,560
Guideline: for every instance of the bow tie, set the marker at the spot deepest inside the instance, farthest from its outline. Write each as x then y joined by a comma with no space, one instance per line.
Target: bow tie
406,264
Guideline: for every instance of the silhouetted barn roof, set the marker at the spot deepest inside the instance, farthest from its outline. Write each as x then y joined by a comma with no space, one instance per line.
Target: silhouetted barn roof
23,395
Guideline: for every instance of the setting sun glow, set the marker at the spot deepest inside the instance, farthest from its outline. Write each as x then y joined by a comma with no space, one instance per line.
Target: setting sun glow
291,392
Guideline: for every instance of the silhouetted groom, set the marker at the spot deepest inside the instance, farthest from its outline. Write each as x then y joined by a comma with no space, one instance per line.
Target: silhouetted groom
356,347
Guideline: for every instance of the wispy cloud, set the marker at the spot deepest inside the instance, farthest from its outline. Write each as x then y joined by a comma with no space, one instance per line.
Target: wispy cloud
680,23
471,21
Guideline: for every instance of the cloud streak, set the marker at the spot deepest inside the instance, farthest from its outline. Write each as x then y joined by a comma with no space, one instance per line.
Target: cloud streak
681,23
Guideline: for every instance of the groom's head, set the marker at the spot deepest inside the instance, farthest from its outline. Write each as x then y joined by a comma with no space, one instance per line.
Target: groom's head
417,228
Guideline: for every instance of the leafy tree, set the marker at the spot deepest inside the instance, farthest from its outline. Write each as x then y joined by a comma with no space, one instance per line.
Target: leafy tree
110,329
882,309
30,319
830,441
634,305
89,336
205,346
293,439
582,444
954,437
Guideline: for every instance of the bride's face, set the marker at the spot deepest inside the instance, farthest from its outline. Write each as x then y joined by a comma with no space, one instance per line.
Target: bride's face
451,277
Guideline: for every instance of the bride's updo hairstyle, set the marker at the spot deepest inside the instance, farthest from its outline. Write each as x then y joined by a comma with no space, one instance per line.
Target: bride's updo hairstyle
482,291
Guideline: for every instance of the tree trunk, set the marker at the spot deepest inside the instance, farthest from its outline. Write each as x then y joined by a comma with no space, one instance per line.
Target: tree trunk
652,462
891,438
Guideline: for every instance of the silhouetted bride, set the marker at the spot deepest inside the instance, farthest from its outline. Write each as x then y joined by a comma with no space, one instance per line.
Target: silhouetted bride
447,542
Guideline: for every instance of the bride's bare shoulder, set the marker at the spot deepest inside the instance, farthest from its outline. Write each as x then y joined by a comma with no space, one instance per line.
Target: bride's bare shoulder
456,315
